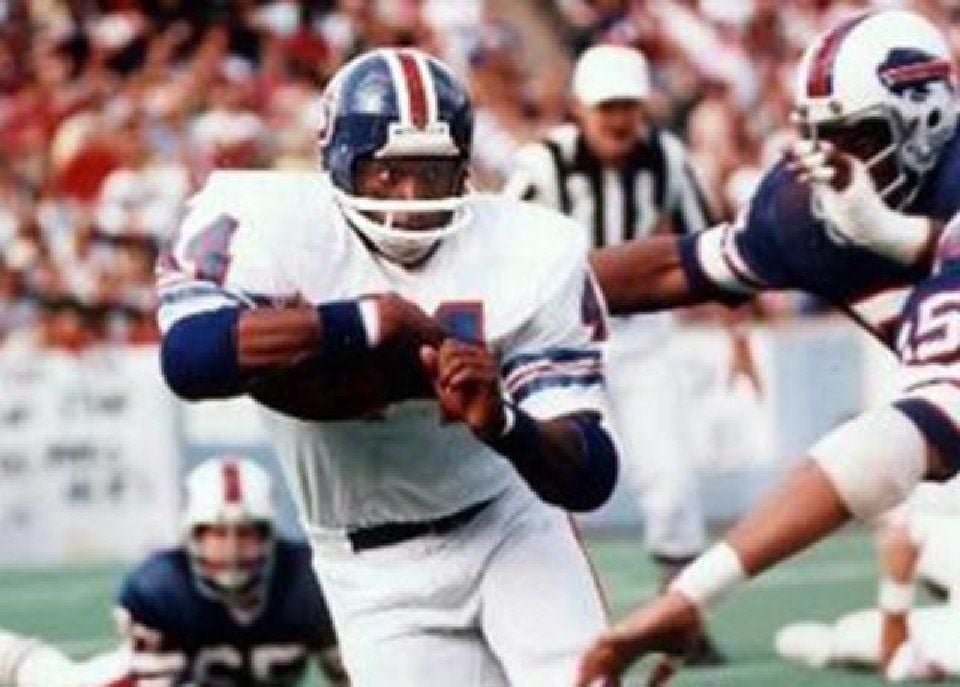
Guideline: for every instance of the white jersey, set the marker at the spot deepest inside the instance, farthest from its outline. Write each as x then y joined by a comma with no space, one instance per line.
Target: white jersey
519,271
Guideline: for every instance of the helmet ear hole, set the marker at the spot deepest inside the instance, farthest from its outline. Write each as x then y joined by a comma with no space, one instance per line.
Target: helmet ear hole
933,119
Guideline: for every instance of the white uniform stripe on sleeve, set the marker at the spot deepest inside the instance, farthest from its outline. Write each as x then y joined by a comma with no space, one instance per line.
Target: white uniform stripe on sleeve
428,87
716,263
169,314
736,263
527,373
399,86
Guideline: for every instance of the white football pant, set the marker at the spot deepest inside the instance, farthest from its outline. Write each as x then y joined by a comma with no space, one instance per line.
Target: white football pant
509,598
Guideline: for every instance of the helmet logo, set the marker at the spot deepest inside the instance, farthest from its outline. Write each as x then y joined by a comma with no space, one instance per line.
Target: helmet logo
910,70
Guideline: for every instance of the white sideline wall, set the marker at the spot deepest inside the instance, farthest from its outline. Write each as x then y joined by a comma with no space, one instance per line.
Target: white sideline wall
92,448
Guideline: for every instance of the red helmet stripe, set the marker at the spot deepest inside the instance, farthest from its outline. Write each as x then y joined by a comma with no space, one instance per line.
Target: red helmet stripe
232,489
415,89
820,79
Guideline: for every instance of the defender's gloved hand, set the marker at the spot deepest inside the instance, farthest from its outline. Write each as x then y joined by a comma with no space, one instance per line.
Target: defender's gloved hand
844,196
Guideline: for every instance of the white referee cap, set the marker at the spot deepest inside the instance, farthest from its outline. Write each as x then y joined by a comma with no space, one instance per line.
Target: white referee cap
610,72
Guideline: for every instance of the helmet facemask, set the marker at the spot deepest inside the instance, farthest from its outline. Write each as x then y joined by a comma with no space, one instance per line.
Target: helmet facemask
232,562
404,206
898,144
874,137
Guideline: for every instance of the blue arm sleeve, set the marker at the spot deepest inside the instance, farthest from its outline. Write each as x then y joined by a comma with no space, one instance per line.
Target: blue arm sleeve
600,465
198,356
580,483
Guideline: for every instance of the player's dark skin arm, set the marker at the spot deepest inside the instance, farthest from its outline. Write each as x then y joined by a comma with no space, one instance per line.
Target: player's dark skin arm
263,351
555,471
281,352
804,509
567,461
271,338
643,276
276,337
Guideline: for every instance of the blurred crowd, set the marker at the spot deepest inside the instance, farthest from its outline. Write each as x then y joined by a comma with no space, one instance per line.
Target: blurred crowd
113,111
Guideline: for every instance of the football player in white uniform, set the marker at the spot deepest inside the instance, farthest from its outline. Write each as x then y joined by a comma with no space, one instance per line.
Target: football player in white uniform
621,177
416,444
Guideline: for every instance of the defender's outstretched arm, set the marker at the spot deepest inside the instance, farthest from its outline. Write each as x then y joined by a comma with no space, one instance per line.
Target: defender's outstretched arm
644,276
861,469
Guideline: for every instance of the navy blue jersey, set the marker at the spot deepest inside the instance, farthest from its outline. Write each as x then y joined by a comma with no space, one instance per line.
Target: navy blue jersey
178,631
929,348
779,244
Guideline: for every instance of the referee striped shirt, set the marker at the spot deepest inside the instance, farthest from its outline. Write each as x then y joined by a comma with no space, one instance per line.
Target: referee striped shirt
657,186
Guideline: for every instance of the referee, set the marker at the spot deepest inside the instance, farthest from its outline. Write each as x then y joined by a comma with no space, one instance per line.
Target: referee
618,176
624,179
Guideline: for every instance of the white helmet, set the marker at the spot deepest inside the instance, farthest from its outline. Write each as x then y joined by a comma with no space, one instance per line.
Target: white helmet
230,494
884,83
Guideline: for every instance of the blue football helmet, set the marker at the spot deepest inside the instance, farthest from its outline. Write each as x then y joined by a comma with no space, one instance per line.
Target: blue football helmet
396,103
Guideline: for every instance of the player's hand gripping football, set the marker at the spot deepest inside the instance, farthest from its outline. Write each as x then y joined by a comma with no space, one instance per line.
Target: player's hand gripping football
404,322
664,626
466,378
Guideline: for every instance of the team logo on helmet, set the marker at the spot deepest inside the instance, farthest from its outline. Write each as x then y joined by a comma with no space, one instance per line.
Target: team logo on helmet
908,70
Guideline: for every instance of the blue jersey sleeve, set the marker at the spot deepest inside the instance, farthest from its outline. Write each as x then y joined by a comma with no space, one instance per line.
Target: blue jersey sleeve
731,262
143,597
939,194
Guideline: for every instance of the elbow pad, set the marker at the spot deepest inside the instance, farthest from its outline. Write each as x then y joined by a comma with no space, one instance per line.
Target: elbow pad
198,356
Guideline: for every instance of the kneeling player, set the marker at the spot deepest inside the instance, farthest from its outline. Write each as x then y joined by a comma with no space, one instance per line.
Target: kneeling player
916,541
234,606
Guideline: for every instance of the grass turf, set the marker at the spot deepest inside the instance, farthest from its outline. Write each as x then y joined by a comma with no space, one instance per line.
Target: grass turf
70,607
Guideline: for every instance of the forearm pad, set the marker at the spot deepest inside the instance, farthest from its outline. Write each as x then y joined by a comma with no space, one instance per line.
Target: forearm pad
569,462
198,356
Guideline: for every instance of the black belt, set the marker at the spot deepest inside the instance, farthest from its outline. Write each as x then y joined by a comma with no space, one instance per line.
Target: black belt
396,532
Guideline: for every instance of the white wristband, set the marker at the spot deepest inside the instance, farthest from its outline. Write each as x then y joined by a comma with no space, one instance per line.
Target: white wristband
370,314
862,216
895,597
714,574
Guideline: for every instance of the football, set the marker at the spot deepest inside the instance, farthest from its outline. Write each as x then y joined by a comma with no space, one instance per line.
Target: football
314,390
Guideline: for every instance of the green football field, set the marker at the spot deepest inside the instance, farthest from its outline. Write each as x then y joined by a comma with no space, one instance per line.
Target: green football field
70,607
